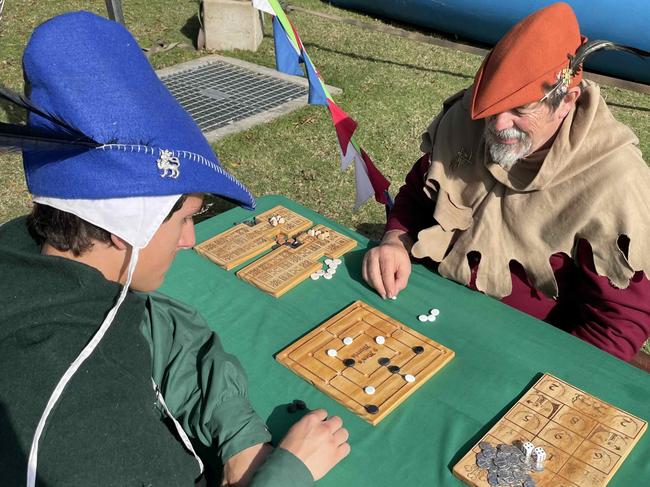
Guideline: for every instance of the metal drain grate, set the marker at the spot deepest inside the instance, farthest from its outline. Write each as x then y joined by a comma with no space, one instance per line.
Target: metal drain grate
218,93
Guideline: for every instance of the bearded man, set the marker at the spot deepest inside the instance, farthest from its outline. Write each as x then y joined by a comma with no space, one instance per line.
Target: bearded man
531,192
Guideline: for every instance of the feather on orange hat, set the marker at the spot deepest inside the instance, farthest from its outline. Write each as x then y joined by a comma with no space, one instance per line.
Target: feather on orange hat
527,61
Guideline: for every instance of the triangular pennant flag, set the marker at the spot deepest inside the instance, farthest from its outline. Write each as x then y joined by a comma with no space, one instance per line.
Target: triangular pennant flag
348,156
343,124
289,52
364,189
264,6
317,94
287,59
377,179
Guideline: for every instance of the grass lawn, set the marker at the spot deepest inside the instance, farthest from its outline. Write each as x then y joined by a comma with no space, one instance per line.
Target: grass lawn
392,86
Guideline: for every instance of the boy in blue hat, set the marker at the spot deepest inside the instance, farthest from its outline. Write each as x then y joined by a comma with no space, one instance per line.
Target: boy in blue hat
101,385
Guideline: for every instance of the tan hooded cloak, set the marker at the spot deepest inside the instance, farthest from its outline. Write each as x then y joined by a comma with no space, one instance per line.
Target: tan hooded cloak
593,184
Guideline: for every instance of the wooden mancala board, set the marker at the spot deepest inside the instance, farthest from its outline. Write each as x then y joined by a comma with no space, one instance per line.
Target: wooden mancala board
586,440
386,368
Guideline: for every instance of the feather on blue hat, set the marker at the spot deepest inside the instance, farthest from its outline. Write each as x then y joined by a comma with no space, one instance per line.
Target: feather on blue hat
89,73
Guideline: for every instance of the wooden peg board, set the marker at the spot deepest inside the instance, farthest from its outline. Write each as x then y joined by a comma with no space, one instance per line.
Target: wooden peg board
586,440
244,241
287,266
309,359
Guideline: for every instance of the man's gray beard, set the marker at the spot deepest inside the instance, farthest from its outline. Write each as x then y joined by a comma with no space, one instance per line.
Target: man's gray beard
506,155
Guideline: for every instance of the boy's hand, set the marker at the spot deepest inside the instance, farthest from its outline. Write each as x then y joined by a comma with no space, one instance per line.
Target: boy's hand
318,441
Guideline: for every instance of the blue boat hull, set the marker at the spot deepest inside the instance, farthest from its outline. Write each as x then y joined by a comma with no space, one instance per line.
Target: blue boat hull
486,21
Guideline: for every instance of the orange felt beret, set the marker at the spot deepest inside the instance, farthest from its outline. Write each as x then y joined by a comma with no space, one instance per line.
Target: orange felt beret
527,61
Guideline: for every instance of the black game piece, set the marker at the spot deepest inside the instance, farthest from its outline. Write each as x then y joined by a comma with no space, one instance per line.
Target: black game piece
292,407
300,404
393,369
418,349
349,362
372,409
383,361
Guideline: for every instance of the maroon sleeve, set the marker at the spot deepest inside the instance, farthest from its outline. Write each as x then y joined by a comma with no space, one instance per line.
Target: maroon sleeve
615,320
413,209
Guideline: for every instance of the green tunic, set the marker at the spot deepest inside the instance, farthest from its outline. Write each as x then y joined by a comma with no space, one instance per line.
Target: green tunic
107,428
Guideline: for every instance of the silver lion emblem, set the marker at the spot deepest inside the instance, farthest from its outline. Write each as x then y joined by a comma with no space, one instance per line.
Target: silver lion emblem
168,164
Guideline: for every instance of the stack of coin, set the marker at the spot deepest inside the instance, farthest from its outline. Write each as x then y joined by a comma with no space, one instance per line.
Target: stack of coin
506,465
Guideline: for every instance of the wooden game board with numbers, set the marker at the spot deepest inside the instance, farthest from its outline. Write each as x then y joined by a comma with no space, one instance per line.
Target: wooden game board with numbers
249,239
585,439
290,264
383,367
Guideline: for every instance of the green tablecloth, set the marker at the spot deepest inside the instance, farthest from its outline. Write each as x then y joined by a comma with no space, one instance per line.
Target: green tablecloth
500,352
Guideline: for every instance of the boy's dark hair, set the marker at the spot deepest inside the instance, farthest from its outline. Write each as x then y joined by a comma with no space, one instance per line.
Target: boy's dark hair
67,232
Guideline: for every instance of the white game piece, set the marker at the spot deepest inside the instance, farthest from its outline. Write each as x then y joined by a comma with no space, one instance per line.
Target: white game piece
393,298
539,455
527,448
435,312
348,340
330,271
431,318
380,340
320,272
327,275
423,318
332,353
310,232
369,390
328,261
337,261
315,277
281,220
333,265
409,378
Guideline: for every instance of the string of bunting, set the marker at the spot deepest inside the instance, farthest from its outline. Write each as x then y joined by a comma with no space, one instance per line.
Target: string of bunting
290,53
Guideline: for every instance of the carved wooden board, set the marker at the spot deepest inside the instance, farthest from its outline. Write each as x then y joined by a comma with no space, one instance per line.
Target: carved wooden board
407,350
586,440
288,265
249,239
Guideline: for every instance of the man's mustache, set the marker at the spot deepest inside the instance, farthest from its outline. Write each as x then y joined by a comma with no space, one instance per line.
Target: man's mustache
511,133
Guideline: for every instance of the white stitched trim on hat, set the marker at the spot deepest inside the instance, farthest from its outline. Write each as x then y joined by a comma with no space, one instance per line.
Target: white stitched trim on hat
181,153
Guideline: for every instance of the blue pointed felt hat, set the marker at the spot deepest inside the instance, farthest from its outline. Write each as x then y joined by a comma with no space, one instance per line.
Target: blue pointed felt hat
90,72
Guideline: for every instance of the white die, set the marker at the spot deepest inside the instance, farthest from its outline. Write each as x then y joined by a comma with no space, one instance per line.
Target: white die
539,455
527,448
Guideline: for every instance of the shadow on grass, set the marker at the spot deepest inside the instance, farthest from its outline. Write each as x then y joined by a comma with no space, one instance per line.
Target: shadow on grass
387,61
372,231
12,113
191,29
630,107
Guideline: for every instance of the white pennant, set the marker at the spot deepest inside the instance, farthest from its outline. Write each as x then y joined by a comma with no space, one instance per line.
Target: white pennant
264,6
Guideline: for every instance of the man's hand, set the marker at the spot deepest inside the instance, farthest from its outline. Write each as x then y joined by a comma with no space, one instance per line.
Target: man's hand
387,267
318,441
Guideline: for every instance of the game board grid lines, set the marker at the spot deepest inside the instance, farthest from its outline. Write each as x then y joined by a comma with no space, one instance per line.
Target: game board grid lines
586,440
285,267
308,358
244,241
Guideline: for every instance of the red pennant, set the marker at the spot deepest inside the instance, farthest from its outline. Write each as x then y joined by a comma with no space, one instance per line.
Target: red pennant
343,125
